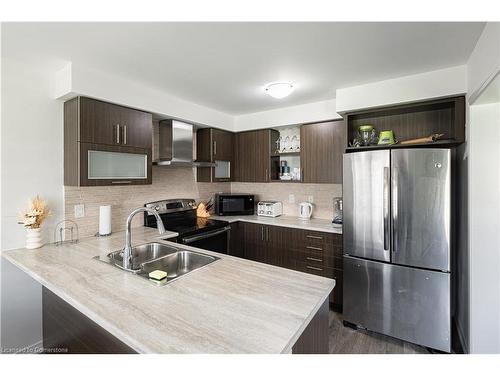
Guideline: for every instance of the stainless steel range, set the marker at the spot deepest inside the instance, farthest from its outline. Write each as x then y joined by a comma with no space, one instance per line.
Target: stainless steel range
179,215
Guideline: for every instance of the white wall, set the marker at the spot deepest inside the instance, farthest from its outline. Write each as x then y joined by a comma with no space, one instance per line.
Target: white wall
31,163
311,112
75,80
484,221
417,87
484,61
484,164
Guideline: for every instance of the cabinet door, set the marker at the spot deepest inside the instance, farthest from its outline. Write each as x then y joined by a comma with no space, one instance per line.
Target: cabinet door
98,122
237,240
253,235
222,145
136,128
253,155
222,154
244,154
102,165
262,155
321,152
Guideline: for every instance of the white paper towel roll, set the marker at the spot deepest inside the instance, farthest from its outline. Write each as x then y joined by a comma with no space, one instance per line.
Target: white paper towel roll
104,220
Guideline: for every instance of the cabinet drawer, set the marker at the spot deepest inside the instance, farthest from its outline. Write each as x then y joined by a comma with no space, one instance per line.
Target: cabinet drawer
320,258
330,243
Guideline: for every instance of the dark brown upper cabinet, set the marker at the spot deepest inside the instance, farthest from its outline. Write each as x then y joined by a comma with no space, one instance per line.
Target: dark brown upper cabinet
111,124
106,144
322,147
215,146
252,152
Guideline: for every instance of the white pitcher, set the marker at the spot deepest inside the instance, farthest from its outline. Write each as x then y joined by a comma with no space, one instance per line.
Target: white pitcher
305,210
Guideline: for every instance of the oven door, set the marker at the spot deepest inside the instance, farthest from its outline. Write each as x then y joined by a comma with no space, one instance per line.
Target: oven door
216,240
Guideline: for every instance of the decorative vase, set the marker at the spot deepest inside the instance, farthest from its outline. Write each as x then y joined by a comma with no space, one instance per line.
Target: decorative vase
34,238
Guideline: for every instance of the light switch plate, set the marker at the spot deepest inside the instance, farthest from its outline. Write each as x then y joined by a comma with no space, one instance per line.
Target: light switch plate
291,198
310,199
79,211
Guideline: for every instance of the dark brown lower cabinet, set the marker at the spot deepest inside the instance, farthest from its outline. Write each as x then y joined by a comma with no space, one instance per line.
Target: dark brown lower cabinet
317,253
314,339
67,330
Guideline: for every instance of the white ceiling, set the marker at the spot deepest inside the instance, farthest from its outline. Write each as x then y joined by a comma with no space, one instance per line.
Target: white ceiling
225,65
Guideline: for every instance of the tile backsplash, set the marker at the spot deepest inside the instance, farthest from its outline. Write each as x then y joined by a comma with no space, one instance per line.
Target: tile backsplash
167,183
181,183
322,194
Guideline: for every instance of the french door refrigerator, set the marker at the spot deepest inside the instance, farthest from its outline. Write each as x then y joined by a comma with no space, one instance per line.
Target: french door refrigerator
397,242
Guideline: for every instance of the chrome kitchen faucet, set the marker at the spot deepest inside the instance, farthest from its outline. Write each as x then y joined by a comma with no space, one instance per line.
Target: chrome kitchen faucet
127,250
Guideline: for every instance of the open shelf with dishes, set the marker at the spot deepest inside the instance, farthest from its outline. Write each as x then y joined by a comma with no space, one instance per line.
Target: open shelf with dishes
285,155
412,121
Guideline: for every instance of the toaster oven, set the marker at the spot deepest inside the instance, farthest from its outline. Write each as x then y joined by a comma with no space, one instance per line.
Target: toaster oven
270,208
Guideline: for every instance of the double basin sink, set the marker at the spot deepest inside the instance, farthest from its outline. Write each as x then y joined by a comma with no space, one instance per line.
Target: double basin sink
157,256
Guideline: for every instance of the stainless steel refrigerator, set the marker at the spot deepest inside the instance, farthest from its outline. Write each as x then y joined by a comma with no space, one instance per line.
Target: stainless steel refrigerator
397,243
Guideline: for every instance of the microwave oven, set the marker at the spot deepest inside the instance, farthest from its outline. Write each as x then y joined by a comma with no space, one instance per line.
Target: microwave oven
234,204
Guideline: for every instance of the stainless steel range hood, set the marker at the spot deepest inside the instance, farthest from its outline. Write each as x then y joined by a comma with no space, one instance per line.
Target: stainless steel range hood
176,145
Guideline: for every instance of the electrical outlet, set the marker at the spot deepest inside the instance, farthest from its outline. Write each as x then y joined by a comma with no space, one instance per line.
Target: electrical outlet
79,211
291,198
310,199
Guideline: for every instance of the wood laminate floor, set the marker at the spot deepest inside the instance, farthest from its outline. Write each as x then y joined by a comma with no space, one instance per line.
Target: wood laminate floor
345,340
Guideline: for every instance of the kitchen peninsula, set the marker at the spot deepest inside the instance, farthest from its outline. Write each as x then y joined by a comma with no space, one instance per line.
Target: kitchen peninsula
230,306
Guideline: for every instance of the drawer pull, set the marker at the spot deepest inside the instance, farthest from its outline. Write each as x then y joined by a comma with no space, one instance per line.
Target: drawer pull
121,182
315,237
315,268
314,248
314,259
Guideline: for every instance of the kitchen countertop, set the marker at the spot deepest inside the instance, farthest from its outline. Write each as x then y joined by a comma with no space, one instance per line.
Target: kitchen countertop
320,225
230,306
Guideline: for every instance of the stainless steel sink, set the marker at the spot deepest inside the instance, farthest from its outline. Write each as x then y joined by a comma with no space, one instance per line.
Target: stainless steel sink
177,264
143,253
158,256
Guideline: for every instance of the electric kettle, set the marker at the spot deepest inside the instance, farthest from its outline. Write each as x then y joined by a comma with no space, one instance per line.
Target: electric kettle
305,210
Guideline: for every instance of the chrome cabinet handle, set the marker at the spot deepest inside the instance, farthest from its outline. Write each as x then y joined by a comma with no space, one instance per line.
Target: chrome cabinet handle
121,182
314,248
314,268
386,208
118,133
315,237
215,147
314,259
124,134
262,233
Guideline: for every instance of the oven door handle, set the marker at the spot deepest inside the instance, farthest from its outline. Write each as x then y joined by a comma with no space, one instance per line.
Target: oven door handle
198,237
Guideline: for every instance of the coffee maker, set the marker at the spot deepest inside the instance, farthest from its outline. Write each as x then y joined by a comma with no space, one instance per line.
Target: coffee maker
337,211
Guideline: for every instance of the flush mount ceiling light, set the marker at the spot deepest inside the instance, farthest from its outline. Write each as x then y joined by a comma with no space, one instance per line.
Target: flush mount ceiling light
279,90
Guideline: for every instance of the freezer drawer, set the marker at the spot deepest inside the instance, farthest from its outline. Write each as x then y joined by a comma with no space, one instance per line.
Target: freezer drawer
407,303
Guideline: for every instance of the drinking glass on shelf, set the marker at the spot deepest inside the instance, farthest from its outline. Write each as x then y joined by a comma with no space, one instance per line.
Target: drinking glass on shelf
295,145
286,144
278,144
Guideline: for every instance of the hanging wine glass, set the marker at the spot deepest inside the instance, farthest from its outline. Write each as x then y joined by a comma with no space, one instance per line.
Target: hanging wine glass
294,144
286,144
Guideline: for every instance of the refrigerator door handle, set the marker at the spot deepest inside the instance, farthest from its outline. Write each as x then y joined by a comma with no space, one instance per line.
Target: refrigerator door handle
395,183
386,208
